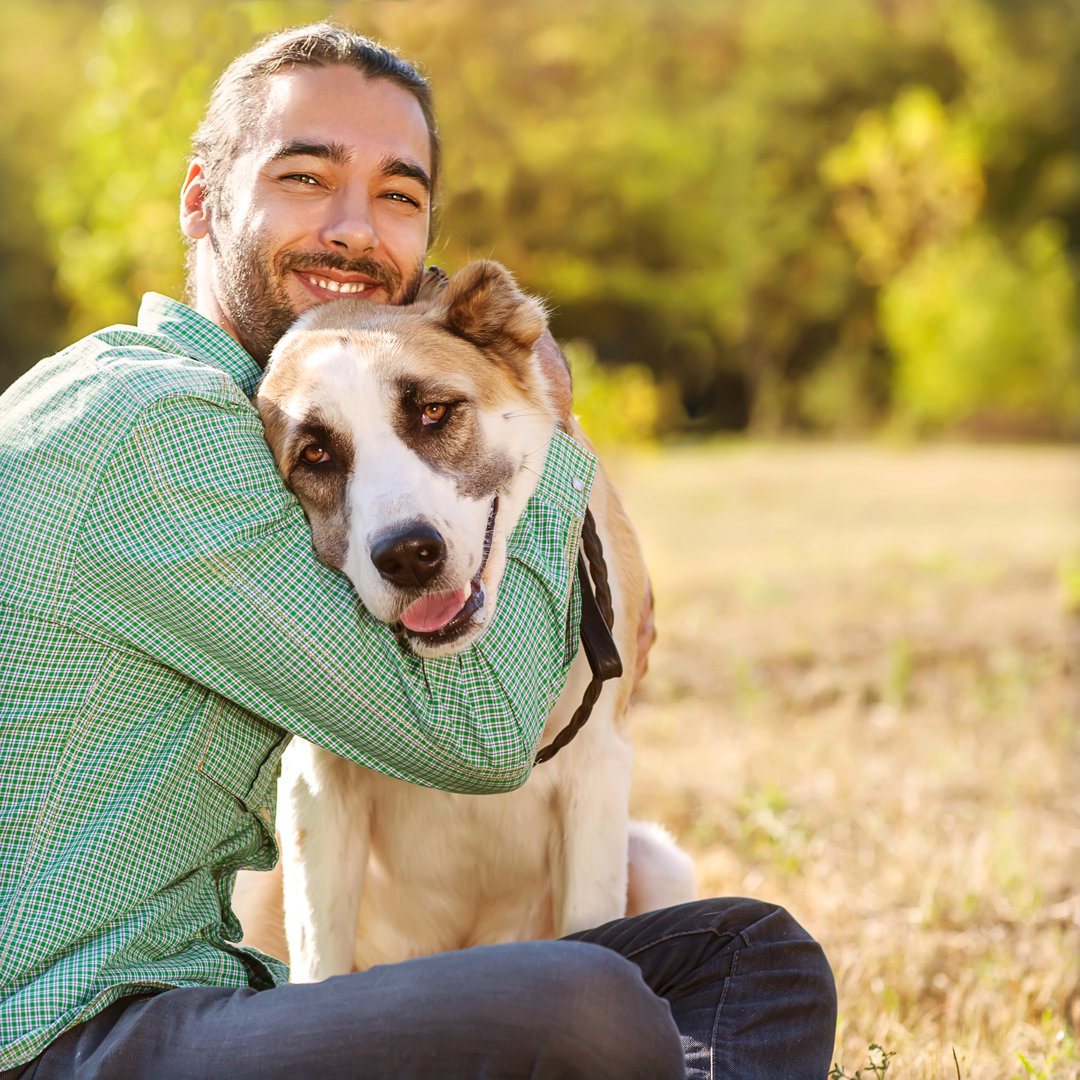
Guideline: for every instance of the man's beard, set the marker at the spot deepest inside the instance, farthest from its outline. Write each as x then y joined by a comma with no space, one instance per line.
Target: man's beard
253,292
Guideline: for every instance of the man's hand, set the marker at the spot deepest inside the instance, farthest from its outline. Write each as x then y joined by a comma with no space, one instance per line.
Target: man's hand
431,284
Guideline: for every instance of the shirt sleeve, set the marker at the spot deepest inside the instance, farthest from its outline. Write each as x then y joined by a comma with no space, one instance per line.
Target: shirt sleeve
195,554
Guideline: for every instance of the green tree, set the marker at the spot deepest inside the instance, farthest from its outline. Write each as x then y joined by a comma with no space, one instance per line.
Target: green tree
36,43
985,334
977,296
738,194
653,168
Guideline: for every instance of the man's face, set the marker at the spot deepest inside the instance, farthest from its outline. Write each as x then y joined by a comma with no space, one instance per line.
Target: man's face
331,198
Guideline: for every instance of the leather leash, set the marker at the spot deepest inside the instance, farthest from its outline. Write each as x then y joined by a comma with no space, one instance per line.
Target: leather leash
597,619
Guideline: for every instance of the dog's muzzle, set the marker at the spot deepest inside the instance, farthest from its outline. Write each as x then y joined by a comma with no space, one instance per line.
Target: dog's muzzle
414,557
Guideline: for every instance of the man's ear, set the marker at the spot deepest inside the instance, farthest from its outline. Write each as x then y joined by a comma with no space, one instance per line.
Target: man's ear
194,219
482,304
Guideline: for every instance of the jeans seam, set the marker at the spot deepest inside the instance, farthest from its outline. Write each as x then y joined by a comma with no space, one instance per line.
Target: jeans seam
674,937
744,934
713,1041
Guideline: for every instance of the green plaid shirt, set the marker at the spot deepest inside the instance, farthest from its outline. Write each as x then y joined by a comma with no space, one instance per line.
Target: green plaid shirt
164,626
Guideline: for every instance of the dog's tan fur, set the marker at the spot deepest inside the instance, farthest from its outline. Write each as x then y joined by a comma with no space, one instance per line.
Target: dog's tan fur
430,870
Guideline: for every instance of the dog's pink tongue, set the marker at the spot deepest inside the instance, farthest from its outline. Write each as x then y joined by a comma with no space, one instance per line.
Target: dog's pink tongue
433,612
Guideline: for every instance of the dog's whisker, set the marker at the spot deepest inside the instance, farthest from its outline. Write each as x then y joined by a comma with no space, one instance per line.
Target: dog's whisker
523,415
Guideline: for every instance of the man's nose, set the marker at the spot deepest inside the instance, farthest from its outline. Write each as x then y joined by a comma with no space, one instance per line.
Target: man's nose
349,225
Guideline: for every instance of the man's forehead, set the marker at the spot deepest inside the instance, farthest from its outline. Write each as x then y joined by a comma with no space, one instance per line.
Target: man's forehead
341,107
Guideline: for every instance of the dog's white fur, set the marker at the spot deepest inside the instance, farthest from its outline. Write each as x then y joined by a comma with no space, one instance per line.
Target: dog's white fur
377,870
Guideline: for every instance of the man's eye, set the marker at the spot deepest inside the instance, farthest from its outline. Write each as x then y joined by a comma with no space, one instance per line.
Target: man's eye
302,178
435,413
314,455
401,197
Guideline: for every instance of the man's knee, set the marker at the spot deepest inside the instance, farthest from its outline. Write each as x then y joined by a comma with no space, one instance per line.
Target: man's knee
769,924
788,966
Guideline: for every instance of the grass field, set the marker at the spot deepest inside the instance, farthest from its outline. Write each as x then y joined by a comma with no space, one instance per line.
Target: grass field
861,706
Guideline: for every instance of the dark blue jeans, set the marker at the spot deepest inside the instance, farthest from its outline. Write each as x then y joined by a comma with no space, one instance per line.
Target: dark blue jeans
740,983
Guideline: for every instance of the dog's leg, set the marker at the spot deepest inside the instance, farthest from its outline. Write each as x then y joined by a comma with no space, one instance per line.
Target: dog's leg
589,888
324,821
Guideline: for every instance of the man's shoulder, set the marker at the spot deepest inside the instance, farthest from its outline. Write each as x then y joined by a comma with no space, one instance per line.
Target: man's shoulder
121,369
149,366
75,409
74,432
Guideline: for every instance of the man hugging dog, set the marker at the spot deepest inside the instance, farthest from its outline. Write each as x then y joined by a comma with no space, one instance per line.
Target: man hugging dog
166,627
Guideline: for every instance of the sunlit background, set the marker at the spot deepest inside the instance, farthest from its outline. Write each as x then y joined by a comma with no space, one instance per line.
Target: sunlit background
788,216
815,264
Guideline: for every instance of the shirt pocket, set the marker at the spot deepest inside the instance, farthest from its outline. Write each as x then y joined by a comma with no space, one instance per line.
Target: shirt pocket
242,754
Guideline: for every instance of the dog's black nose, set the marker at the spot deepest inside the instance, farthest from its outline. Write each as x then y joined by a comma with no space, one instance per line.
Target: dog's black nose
409,556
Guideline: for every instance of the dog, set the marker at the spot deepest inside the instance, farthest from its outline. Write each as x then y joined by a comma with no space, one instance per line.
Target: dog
446,415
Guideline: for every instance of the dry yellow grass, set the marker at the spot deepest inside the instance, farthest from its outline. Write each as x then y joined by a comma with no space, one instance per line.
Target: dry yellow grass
860,706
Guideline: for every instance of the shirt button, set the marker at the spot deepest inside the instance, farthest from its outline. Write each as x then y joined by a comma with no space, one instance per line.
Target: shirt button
577,484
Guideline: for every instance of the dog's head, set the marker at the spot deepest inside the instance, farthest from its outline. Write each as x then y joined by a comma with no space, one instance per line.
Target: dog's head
413,438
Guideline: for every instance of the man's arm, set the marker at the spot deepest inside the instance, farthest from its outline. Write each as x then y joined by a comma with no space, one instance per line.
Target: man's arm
194,553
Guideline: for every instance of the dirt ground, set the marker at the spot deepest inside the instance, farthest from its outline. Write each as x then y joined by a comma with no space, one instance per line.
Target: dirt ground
861,706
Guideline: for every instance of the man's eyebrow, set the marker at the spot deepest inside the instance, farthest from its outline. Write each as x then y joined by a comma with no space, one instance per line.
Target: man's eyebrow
339,154
410,170
334,152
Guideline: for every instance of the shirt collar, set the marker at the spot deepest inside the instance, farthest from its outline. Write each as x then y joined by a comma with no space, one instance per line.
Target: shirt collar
196,336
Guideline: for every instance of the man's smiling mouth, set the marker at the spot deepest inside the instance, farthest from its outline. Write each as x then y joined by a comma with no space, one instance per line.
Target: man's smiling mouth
326,276
346,288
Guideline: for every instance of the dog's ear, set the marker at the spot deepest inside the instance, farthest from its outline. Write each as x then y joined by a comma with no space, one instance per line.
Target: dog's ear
482,304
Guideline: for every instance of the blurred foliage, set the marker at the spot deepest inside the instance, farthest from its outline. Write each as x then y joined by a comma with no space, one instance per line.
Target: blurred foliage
802,214
1069,583
982,333
33,318
620,406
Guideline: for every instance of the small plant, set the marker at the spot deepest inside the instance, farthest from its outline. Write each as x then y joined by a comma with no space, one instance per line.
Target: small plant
1065,1054
1034,1071
898,676
876,1069
1069,583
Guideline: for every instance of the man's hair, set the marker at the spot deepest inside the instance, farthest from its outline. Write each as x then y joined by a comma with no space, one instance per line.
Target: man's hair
240,93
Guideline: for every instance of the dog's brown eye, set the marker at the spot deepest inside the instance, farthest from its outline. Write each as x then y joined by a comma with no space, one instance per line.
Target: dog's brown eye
434,412
314,455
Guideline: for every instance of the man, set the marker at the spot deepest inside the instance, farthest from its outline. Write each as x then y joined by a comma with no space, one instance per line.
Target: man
164,625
